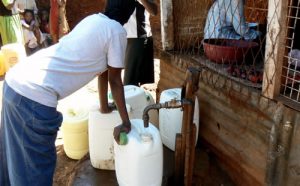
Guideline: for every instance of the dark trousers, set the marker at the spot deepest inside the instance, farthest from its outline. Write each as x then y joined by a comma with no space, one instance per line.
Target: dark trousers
139,64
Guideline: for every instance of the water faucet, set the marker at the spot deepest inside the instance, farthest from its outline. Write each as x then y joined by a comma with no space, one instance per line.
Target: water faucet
169,104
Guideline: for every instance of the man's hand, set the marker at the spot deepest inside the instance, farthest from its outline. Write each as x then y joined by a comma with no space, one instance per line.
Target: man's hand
108,108
150,6
125,127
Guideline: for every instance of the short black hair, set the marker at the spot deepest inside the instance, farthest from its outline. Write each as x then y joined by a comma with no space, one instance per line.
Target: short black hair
28,11
120,10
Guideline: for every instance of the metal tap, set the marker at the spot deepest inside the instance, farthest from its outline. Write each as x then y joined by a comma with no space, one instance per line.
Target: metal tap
169,104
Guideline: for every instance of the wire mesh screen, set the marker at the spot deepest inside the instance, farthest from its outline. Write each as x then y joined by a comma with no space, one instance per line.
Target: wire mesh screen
228,36
189,22
291,69
238,39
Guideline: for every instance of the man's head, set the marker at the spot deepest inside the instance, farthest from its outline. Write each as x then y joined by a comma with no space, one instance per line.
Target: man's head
44,15
28,16
119,10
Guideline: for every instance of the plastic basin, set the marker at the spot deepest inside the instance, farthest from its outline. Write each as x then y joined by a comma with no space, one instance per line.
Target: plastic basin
226,51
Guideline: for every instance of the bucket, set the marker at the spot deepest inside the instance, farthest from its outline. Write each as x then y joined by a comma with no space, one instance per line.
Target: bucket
170,120
13,53
140,161
101,128
75,132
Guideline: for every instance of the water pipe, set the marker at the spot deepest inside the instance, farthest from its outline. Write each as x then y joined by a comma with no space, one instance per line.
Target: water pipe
169,104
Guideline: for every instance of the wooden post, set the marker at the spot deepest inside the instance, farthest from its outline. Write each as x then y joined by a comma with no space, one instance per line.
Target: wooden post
167,24
178,160
279,147
273,145
188,139
275,47
192,152
282,162
185,142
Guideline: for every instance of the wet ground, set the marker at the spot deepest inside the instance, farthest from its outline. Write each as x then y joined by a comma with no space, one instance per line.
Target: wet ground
81,173
87,175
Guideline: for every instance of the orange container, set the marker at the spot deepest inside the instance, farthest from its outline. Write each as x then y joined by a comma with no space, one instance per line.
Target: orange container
2,64
13,53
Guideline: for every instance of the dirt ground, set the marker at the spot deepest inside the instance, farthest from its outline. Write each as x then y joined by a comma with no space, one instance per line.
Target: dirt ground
80,172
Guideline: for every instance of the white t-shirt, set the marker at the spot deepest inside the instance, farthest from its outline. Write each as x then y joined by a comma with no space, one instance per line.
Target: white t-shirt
58,71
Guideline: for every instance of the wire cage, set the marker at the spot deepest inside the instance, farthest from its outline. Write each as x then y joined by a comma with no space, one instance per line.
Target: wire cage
237,58
290,80
236,40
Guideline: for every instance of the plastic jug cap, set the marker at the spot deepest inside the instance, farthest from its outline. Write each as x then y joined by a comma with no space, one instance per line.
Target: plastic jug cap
146,137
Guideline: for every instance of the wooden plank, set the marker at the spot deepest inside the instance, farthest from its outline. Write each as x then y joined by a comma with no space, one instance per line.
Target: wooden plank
178,160
191,87
167,24
275,43
251,156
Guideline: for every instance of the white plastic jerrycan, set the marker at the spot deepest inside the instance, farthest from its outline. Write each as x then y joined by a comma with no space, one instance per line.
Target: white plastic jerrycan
75,132
138,99
140,161
13,53
101,139
170,120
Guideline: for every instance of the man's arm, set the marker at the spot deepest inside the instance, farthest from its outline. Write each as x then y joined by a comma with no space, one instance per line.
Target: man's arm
116,48
25,25
103,87
118,95
117,90
150,6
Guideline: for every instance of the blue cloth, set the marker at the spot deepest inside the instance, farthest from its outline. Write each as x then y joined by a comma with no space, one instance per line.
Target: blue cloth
27,141
226,20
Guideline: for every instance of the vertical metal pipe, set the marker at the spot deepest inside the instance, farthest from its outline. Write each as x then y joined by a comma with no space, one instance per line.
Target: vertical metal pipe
284,155
273,146
271,156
